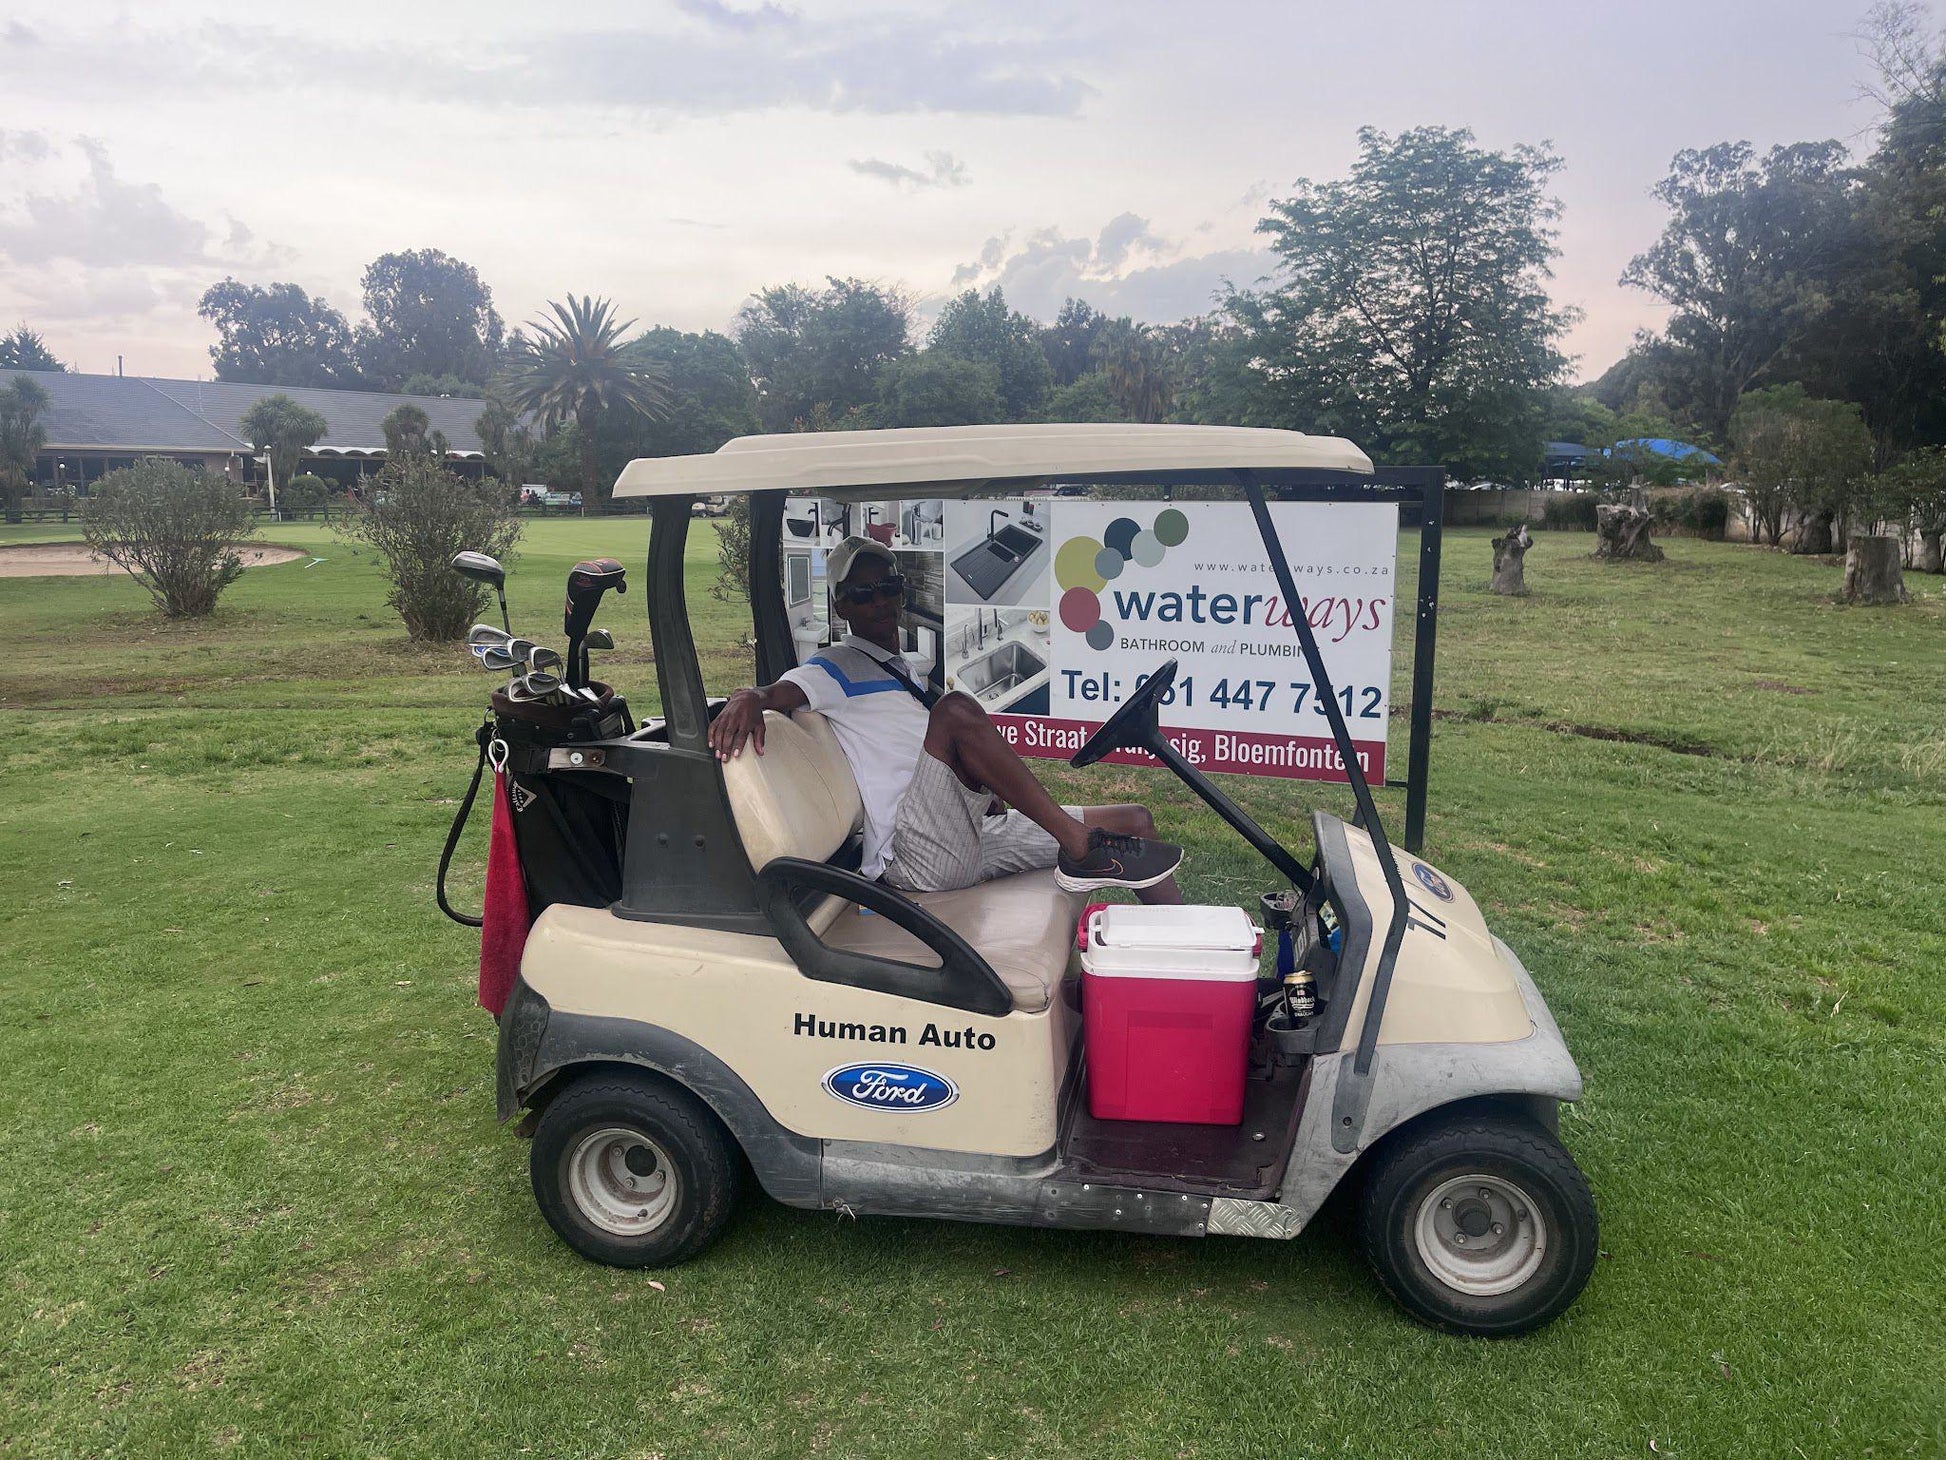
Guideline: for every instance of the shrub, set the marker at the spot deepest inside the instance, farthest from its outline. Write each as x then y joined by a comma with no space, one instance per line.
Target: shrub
420,516
172,529
733,551
1569,511
304,493
1710,512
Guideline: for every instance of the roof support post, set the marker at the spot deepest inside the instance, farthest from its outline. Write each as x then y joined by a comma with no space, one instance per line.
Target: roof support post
678,674
768,613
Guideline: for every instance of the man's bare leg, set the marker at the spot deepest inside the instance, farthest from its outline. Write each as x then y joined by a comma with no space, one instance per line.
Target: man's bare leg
963,737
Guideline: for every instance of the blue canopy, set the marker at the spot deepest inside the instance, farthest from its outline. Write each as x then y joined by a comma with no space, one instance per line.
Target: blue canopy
1663,446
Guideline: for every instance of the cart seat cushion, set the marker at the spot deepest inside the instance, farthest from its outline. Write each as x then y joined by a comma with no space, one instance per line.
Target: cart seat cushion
1022,925
798,798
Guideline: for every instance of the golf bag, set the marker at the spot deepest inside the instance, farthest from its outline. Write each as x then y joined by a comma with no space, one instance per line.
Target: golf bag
569,825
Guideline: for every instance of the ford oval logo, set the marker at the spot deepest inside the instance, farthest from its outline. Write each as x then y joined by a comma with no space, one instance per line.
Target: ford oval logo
890,1087
1432,881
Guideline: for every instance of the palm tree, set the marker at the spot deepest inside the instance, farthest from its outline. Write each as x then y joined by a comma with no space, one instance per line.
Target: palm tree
576,366
21,438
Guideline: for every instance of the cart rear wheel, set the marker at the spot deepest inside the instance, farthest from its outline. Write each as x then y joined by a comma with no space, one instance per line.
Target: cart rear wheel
633,1173
1479,1224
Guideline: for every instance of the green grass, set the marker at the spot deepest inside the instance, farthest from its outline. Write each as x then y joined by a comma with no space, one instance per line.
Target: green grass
255,1200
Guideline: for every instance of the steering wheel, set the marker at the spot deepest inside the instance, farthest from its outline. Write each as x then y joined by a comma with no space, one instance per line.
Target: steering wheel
1130,727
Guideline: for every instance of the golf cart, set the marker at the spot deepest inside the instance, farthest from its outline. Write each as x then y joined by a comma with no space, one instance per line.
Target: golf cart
750,1004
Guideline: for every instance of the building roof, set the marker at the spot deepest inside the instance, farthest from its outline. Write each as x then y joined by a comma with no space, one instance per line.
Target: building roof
955,460
150,413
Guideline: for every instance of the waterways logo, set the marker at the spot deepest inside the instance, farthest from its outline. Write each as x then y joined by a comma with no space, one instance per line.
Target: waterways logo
1083,567
890,1087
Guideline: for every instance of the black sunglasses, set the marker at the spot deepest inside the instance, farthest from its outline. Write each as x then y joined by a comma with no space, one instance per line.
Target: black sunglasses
863,593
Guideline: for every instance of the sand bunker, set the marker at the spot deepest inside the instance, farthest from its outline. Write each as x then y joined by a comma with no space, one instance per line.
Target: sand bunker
73,560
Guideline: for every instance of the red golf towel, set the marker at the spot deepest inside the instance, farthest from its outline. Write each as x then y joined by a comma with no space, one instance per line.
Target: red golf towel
504,921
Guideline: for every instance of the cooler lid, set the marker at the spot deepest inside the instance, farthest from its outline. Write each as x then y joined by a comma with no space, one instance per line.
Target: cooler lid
1216,929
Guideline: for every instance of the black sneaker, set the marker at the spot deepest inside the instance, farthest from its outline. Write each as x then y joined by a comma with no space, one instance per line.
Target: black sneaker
1117,861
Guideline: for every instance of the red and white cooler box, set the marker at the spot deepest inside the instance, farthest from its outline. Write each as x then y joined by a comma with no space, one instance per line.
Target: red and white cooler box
1167,997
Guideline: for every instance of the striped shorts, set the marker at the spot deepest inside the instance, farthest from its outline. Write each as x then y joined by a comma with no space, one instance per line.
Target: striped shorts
943,838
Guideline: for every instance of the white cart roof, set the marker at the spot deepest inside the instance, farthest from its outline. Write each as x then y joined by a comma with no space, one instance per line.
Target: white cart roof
949,461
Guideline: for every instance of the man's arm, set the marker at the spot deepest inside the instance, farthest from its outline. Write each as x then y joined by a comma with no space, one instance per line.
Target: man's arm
743,717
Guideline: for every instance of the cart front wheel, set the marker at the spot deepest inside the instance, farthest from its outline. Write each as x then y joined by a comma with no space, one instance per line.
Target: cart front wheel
1479,1224
633,1173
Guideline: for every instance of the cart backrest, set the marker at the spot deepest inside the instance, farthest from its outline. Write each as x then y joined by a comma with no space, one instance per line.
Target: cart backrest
798,798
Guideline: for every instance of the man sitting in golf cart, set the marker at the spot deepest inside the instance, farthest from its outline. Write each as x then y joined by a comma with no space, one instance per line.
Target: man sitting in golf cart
933,771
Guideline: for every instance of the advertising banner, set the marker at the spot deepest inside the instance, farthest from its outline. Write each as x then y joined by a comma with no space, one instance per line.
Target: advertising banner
1051,611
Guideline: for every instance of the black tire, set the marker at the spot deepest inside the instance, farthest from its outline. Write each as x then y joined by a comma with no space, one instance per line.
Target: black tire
611,1130
1493,1271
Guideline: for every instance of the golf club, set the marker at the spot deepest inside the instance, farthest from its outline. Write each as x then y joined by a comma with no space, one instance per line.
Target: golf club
495,659
481,634
587,581
548,660
483,569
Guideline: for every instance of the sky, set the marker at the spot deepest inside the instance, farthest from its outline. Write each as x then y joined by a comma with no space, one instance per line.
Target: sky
678,155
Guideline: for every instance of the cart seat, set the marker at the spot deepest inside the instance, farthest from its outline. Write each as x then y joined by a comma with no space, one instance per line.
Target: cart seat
798,799
1022,925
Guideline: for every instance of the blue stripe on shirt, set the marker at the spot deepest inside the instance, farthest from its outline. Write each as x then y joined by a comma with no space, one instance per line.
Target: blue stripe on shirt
852,687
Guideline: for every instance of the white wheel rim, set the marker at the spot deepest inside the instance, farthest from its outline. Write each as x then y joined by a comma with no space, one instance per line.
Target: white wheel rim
1480,1235
622,1181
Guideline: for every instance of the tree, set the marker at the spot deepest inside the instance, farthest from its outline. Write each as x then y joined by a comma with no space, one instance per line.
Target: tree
508,445
408,432
22,404
980,328
1085,398
420,515
24,349
1749,263
820,349
431,315
1914,494
283,430
1794,454
577,367
1069,343
933,388
277,335
1135,367
173,529
1412,314
710,395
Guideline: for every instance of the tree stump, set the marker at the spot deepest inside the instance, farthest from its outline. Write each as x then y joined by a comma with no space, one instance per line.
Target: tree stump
1872,573
1509,571
1932,556
1622,533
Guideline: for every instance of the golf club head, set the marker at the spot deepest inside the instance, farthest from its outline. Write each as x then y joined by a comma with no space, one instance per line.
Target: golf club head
481,634
599,639
496,660
545,660
587,581
520,649
481,569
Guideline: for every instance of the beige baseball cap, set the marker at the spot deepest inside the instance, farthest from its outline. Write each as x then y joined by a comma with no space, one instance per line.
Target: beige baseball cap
844,557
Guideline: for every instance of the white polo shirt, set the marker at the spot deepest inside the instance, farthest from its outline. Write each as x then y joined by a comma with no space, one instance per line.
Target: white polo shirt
880,725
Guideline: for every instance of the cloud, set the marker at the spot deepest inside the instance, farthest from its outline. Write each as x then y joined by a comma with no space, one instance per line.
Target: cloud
943,170
105,222
1127,268
25,146
716,60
